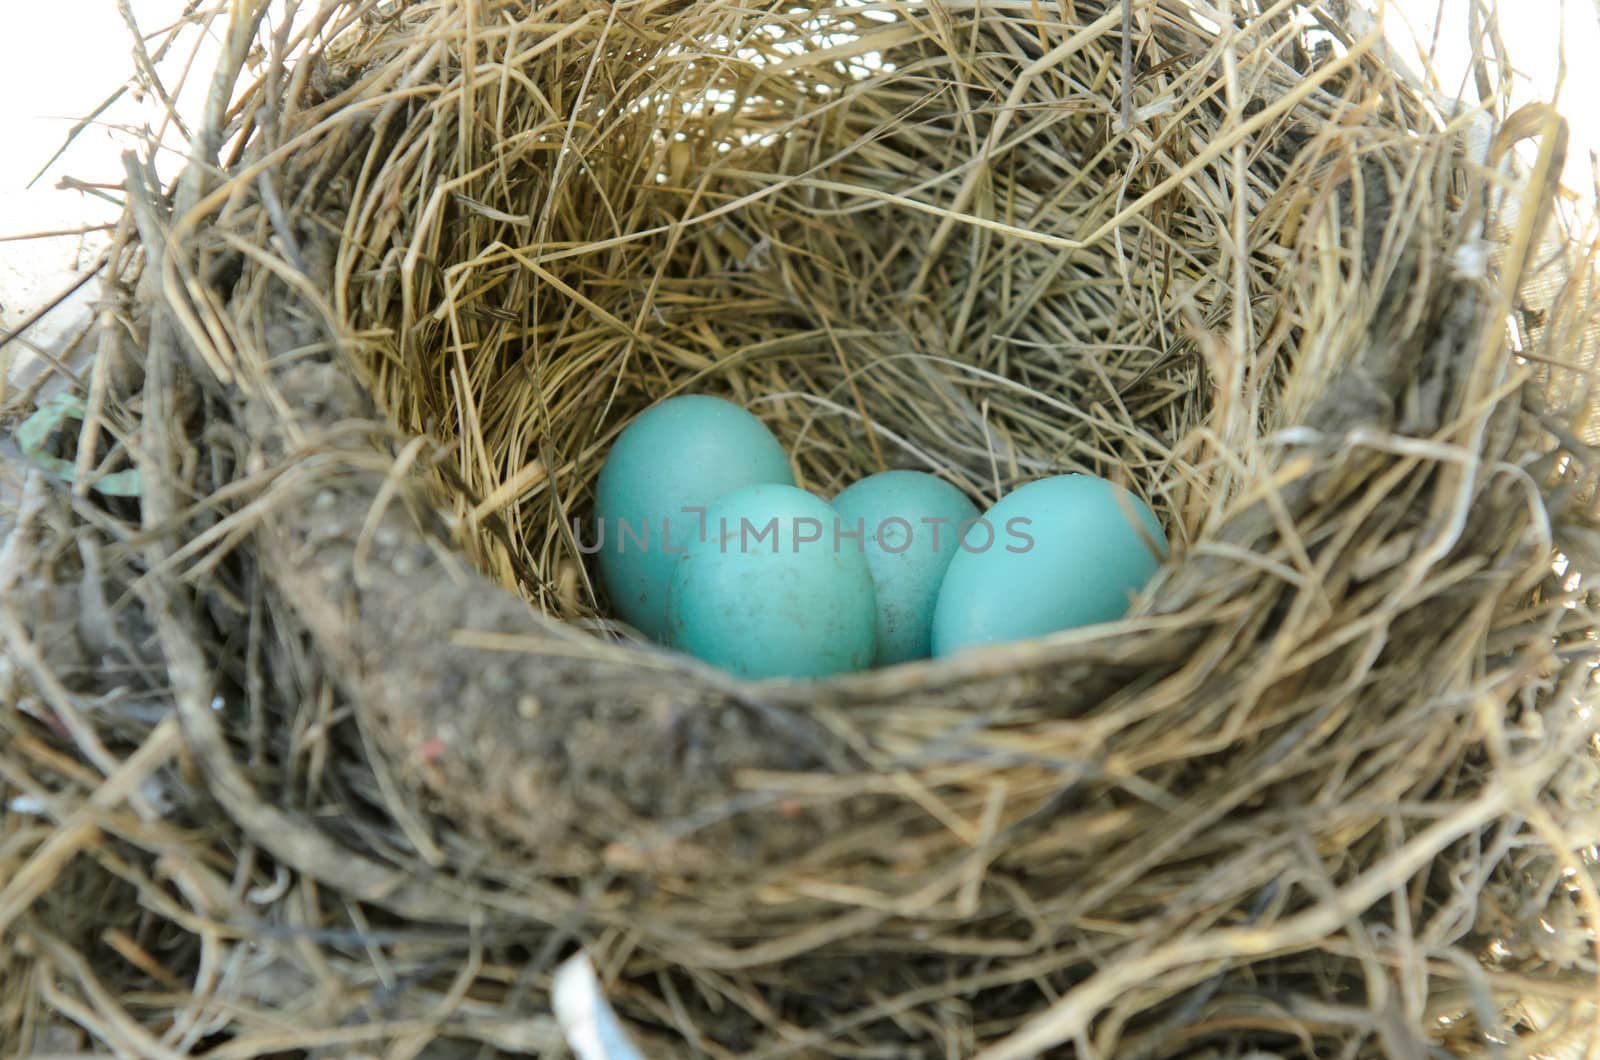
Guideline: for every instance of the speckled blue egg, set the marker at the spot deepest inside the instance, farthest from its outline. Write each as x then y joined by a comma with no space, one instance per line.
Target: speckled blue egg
770,593
910,524
1055,554
686,452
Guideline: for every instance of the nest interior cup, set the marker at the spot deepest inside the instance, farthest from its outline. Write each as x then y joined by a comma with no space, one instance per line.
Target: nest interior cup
1228,258
776,221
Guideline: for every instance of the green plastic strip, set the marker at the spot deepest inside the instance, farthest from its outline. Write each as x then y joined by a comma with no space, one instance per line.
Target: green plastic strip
33,434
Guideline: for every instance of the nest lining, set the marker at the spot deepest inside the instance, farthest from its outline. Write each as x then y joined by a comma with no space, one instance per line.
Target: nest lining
1343,734
795,227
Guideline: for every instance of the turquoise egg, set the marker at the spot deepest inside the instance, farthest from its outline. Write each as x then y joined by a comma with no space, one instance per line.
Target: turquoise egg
770,592
910,524
1055,554
686,452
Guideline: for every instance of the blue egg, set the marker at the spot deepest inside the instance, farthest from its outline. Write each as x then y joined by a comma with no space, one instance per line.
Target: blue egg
686,452
910,525
770,592
1055,554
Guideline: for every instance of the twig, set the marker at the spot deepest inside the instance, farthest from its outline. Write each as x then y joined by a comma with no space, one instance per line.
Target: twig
79,828
1127,65
1068,1018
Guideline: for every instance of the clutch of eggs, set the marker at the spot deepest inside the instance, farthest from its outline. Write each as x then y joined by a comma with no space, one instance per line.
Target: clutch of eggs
706,544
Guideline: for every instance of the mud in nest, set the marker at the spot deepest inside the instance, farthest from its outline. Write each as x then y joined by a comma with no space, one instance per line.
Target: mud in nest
333,713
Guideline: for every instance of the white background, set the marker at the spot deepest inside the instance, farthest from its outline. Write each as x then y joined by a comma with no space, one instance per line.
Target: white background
59,59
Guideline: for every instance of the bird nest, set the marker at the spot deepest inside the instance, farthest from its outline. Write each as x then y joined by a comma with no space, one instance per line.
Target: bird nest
324,740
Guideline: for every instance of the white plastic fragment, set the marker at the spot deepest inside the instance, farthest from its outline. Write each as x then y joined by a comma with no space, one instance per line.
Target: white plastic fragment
1470,261
592,1030
26,804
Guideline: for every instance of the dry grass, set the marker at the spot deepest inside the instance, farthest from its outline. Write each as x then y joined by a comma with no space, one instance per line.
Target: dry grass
1330,790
